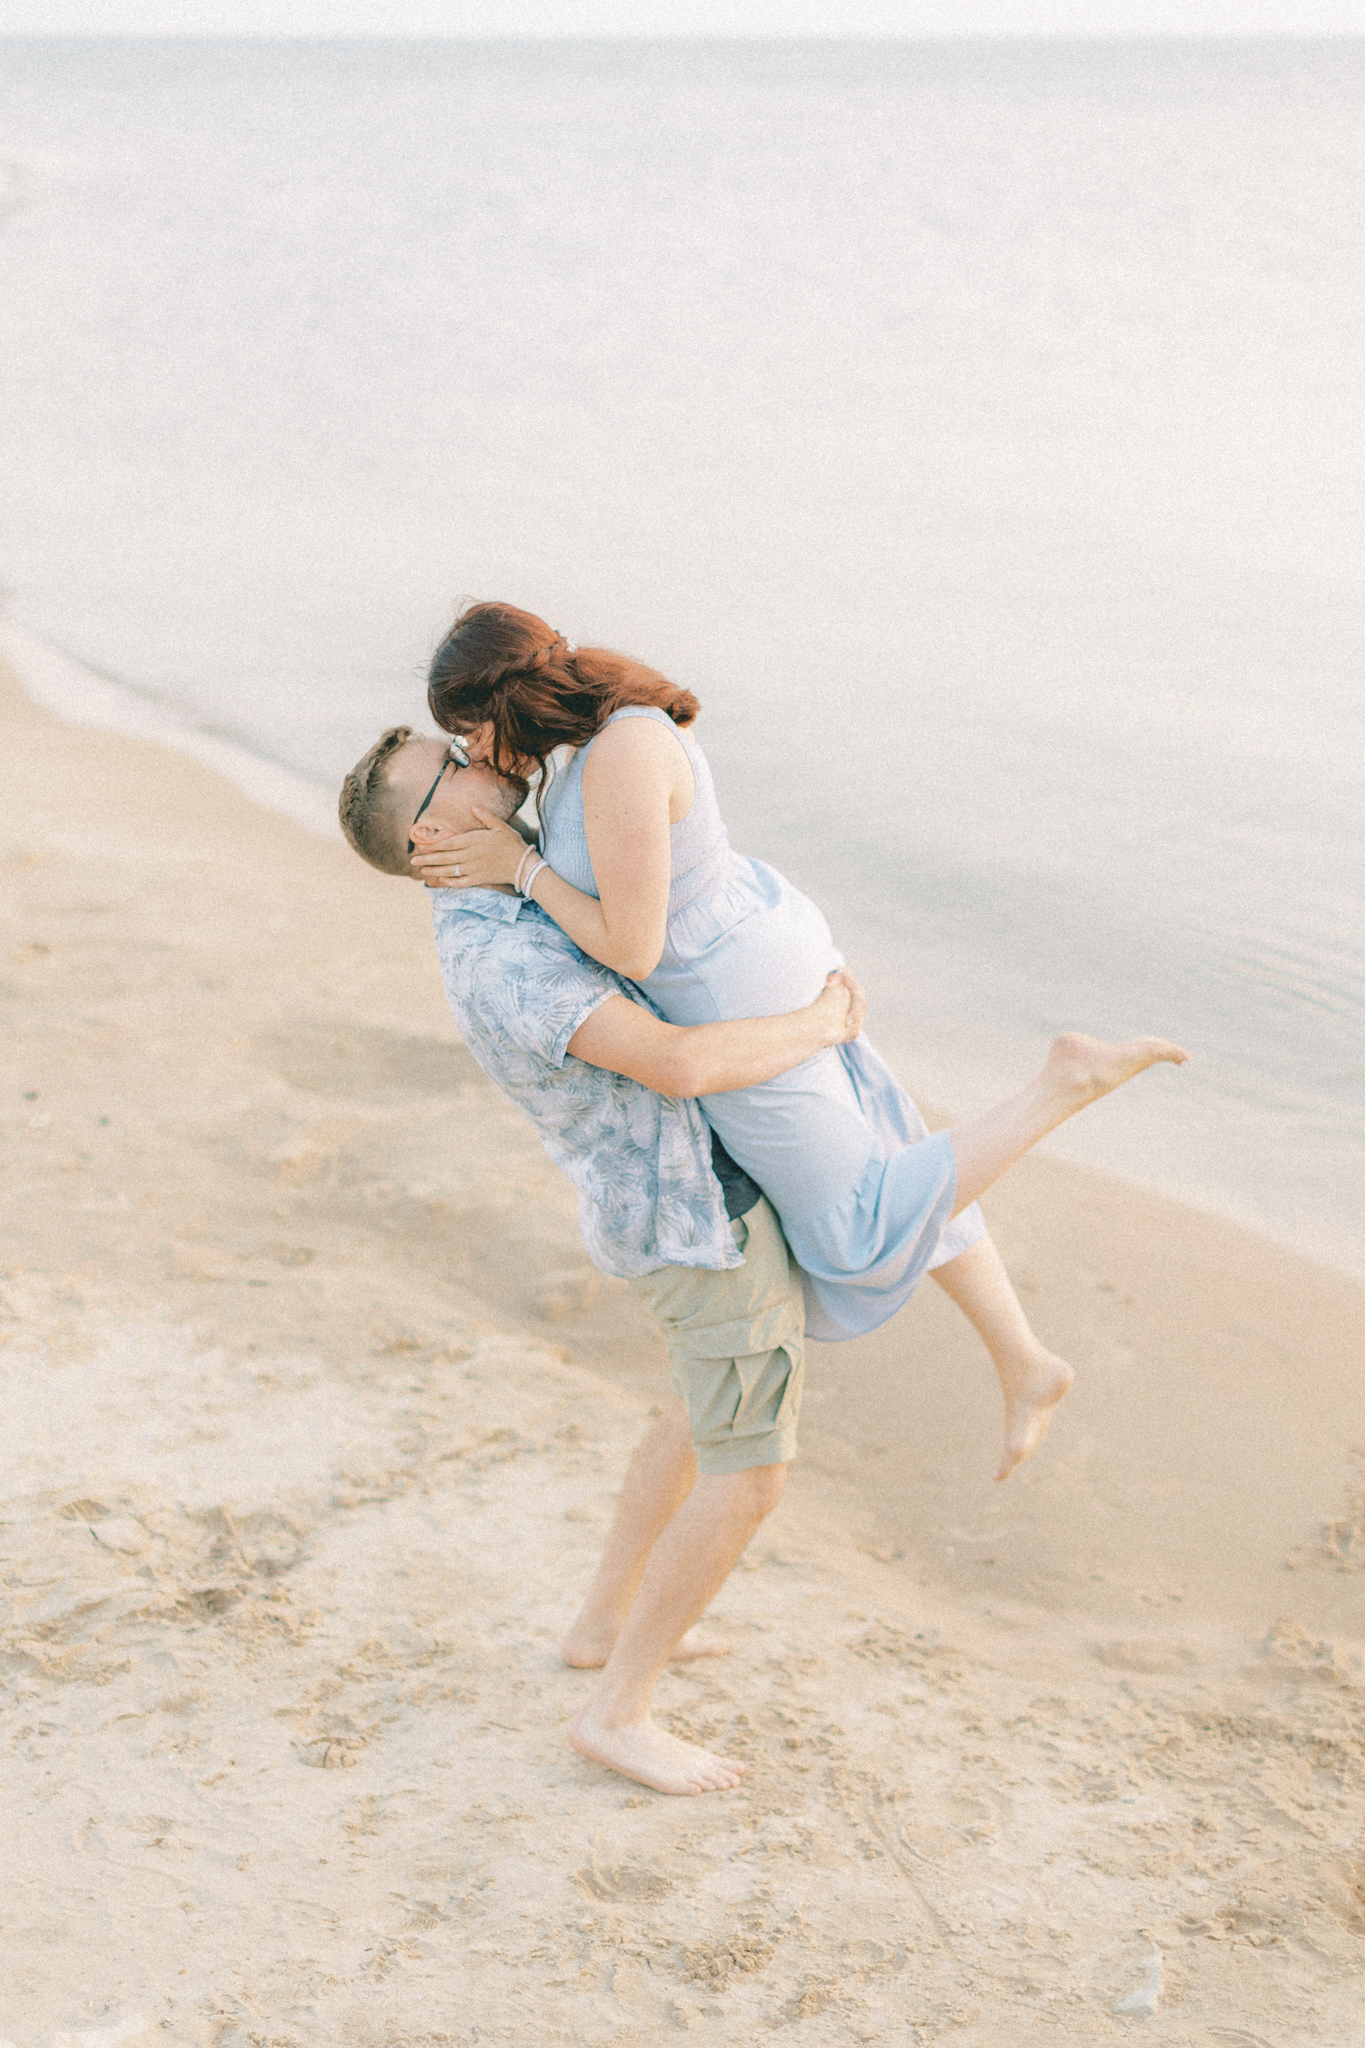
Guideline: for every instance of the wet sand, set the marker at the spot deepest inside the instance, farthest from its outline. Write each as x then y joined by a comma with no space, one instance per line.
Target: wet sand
315,1413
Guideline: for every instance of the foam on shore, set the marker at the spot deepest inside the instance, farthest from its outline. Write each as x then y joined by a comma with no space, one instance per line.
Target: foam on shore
79,696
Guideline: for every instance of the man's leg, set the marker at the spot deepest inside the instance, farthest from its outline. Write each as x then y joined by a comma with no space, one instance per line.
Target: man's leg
658,1480
1032,1378
735,1342
689,1564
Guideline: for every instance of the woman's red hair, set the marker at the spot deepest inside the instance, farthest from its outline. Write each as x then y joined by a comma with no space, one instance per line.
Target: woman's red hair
507,666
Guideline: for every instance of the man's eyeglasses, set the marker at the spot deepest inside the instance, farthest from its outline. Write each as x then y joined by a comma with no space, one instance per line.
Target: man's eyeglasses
454,752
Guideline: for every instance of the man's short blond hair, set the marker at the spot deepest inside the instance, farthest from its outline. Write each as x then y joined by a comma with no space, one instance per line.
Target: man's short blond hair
370,811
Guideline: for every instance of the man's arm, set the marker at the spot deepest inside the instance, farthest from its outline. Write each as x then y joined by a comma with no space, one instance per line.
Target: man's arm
712,1059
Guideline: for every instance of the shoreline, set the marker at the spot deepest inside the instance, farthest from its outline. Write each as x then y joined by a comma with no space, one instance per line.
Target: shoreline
79,695
318,1413
76,694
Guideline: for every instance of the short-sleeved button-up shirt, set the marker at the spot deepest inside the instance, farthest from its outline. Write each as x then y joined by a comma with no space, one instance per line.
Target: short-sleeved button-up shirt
641,1162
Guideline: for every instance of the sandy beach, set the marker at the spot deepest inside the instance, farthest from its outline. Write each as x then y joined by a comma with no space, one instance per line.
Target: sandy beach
315,1410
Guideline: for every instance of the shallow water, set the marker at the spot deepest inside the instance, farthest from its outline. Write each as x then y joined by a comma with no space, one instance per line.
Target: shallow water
976,427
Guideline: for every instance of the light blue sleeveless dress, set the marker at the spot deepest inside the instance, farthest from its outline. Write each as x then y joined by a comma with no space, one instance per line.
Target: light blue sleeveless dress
838,1147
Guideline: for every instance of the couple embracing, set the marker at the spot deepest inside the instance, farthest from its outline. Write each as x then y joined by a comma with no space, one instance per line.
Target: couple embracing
677,1023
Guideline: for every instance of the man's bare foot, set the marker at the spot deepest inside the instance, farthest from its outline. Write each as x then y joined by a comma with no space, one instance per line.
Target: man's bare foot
645,1752
1030,1397
588,1649
1091,1067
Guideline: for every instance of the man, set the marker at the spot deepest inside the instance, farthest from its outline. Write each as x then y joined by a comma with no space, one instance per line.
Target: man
610,1088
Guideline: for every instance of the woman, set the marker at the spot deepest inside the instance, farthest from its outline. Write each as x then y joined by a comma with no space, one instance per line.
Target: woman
635,866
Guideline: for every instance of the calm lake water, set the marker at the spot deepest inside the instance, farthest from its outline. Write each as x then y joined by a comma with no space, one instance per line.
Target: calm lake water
976,427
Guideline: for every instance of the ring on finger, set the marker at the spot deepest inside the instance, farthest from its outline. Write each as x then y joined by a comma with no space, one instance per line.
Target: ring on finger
459,871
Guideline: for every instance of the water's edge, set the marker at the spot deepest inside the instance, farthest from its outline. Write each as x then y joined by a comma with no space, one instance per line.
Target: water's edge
76,694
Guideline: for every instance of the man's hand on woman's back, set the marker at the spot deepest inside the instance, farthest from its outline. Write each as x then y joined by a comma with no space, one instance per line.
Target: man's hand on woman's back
845,1001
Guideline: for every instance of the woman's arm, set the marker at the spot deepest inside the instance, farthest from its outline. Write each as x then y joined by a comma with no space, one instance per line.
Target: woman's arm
637,782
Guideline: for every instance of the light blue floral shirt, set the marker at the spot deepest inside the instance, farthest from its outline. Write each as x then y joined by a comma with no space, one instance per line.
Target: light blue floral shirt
641,1162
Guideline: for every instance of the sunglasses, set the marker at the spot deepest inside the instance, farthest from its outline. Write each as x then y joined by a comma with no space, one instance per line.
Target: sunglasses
455,753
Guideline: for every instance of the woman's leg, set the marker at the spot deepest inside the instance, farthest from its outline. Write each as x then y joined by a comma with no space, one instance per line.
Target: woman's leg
1077,1072
1032,1379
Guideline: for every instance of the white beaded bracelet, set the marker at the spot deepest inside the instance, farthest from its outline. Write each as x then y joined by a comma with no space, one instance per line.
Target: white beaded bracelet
529,854
530,881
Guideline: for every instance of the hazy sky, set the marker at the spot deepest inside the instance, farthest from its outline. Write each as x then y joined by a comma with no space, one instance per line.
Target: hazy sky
682,17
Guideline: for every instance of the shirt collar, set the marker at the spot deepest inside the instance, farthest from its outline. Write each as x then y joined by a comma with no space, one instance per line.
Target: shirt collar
489,903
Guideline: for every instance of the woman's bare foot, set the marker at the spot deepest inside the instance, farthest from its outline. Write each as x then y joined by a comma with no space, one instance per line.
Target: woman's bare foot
1031,1394
1091,1067
645,1752
588,1648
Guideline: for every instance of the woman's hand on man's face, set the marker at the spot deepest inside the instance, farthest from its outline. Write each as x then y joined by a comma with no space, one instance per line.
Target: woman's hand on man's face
472,860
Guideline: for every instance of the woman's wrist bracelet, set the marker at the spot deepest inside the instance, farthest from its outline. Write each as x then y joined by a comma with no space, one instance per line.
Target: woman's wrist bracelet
529,884
521,868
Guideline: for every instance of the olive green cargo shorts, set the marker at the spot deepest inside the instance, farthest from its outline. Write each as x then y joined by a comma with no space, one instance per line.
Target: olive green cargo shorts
736,1345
